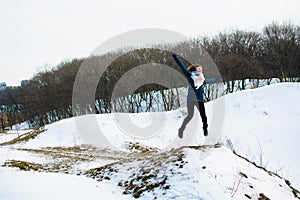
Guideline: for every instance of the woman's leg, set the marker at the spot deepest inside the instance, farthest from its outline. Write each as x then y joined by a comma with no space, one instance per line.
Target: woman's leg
190,113
203,116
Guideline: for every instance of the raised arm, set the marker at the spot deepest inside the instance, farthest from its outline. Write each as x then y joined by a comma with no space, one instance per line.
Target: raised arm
182,66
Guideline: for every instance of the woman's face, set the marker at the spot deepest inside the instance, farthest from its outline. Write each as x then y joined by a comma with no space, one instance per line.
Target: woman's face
199,69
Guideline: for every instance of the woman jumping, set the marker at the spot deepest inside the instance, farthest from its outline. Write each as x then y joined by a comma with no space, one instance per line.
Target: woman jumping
195,95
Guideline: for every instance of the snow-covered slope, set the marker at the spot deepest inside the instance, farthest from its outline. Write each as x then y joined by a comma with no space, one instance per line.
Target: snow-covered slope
16,185
147,174
260,124
263,125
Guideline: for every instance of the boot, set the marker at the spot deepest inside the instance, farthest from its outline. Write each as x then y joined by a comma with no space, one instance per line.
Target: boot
205,131
180,133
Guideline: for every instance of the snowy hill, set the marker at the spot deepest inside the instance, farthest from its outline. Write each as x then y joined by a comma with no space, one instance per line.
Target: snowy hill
263,125
260,125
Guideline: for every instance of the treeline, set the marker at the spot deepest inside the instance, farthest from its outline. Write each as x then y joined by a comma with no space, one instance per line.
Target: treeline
241,56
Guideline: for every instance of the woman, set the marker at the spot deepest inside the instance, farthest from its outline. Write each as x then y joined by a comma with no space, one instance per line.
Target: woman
195,95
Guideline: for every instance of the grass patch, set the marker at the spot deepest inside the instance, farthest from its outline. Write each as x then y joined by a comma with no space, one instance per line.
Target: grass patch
24,137
140,170
23,165
143,171
262,197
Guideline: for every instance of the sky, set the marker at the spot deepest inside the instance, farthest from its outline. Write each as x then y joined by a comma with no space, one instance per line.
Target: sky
37,35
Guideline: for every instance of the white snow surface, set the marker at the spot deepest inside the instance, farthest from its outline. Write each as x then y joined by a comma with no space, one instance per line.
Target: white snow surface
17,185
260,124
263,125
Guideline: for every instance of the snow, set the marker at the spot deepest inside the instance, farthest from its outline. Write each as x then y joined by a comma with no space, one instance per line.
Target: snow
259,124
31,185
222,171
12,134
263,125
62,133
14,154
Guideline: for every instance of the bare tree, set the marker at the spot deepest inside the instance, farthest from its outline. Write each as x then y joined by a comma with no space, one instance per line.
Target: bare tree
282,49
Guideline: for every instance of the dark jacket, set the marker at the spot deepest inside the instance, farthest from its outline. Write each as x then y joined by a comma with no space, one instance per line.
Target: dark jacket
193,93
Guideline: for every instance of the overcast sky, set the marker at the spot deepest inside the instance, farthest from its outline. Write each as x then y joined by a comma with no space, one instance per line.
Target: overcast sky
37,33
